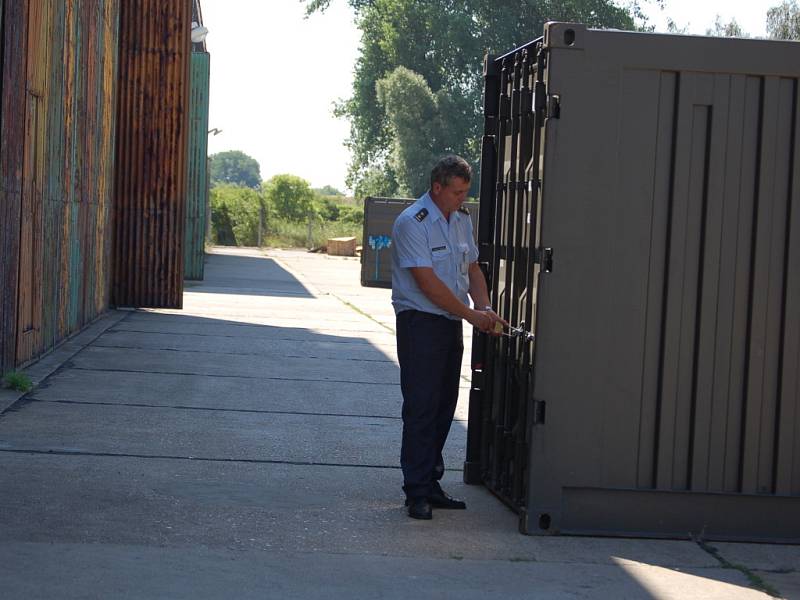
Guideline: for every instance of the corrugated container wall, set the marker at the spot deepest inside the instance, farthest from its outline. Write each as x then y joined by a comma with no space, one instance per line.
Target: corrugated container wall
197,184
11,128
152,140
57,161
643,219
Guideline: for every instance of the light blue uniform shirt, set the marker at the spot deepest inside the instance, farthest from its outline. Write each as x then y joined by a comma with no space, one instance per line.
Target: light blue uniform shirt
428,240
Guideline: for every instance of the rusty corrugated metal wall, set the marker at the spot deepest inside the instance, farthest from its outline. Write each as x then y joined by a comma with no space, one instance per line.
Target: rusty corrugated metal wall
197,185
59,73
152,126
11,128
60,109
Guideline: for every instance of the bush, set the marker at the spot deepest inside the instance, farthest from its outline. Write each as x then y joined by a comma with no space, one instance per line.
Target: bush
19,382
351,214
235,215
327,209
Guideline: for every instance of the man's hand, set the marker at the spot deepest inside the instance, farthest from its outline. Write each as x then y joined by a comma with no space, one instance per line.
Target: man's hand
480,297
484,321
438,293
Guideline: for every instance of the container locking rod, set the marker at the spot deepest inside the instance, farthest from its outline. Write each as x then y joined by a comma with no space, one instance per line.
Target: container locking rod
518,332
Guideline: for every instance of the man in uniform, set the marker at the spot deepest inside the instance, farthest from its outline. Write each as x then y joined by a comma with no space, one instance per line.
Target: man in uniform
434,268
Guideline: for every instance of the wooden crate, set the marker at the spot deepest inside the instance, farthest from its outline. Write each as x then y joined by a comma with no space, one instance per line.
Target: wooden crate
342,246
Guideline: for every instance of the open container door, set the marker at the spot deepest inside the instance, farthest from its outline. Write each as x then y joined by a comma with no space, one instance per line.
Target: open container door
660,395
501,412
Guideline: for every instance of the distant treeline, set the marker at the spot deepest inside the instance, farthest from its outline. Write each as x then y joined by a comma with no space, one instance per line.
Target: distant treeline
283,211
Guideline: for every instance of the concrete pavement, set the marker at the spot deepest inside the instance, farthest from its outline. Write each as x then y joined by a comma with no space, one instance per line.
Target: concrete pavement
247,447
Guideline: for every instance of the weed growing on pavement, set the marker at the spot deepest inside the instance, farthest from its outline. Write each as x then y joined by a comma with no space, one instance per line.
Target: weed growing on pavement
17,381
755,581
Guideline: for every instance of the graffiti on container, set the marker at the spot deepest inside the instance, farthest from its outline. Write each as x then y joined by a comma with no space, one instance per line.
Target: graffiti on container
378,243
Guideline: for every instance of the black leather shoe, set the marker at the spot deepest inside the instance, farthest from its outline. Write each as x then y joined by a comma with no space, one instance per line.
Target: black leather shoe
440,499
419,508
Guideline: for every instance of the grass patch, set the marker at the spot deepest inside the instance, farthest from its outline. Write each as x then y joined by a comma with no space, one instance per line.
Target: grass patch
754,580
288,234
19,382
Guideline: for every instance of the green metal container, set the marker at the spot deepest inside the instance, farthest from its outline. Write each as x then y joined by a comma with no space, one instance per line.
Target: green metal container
641,217
197,185
376,254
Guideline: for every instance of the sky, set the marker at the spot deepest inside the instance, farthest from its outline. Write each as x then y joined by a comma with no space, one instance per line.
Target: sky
699,15
275,76
274,79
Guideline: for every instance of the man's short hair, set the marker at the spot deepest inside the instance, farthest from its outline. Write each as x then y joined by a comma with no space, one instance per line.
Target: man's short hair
449,167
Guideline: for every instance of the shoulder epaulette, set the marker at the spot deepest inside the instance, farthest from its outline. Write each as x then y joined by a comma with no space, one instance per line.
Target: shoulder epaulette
464,210
420,216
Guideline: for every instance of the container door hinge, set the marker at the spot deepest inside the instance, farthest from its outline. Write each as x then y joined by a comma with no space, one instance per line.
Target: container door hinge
544,258
539,412
554,106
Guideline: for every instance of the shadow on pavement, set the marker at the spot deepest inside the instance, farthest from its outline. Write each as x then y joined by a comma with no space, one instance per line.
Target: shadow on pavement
212,447
254,275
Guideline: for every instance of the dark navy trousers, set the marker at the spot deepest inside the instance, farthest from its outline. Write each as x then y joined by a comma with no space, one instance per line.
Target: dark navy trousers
429,348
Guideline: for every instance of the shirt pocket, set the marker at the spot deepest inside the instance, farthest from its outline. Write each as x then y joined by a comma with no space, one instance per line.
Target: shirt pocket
441,257
462,260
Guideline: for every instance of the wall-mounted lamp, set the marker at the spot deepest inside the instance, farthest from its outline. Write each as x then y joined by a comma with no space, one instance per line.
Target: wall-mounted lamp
215,131
199,33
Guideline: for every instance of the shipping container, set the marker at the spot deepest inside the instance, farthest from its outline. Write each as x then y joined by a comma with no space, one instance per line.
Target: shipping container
63,95
379,216
57,168
640,224
151,153
197,183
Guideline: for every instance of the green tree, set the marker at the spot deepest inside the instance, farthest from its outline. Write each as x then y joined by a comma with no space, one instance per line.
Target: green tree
234,167
328,190
290,197
674,28
415,120
376,182
783,21
442,41
731,29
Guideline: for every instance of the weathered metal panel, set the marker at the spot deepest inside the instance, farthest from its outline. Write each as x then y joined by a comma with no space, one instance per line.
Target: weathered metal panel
67,62
152,138
30,322
12,113
659,394
379,216
197,184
